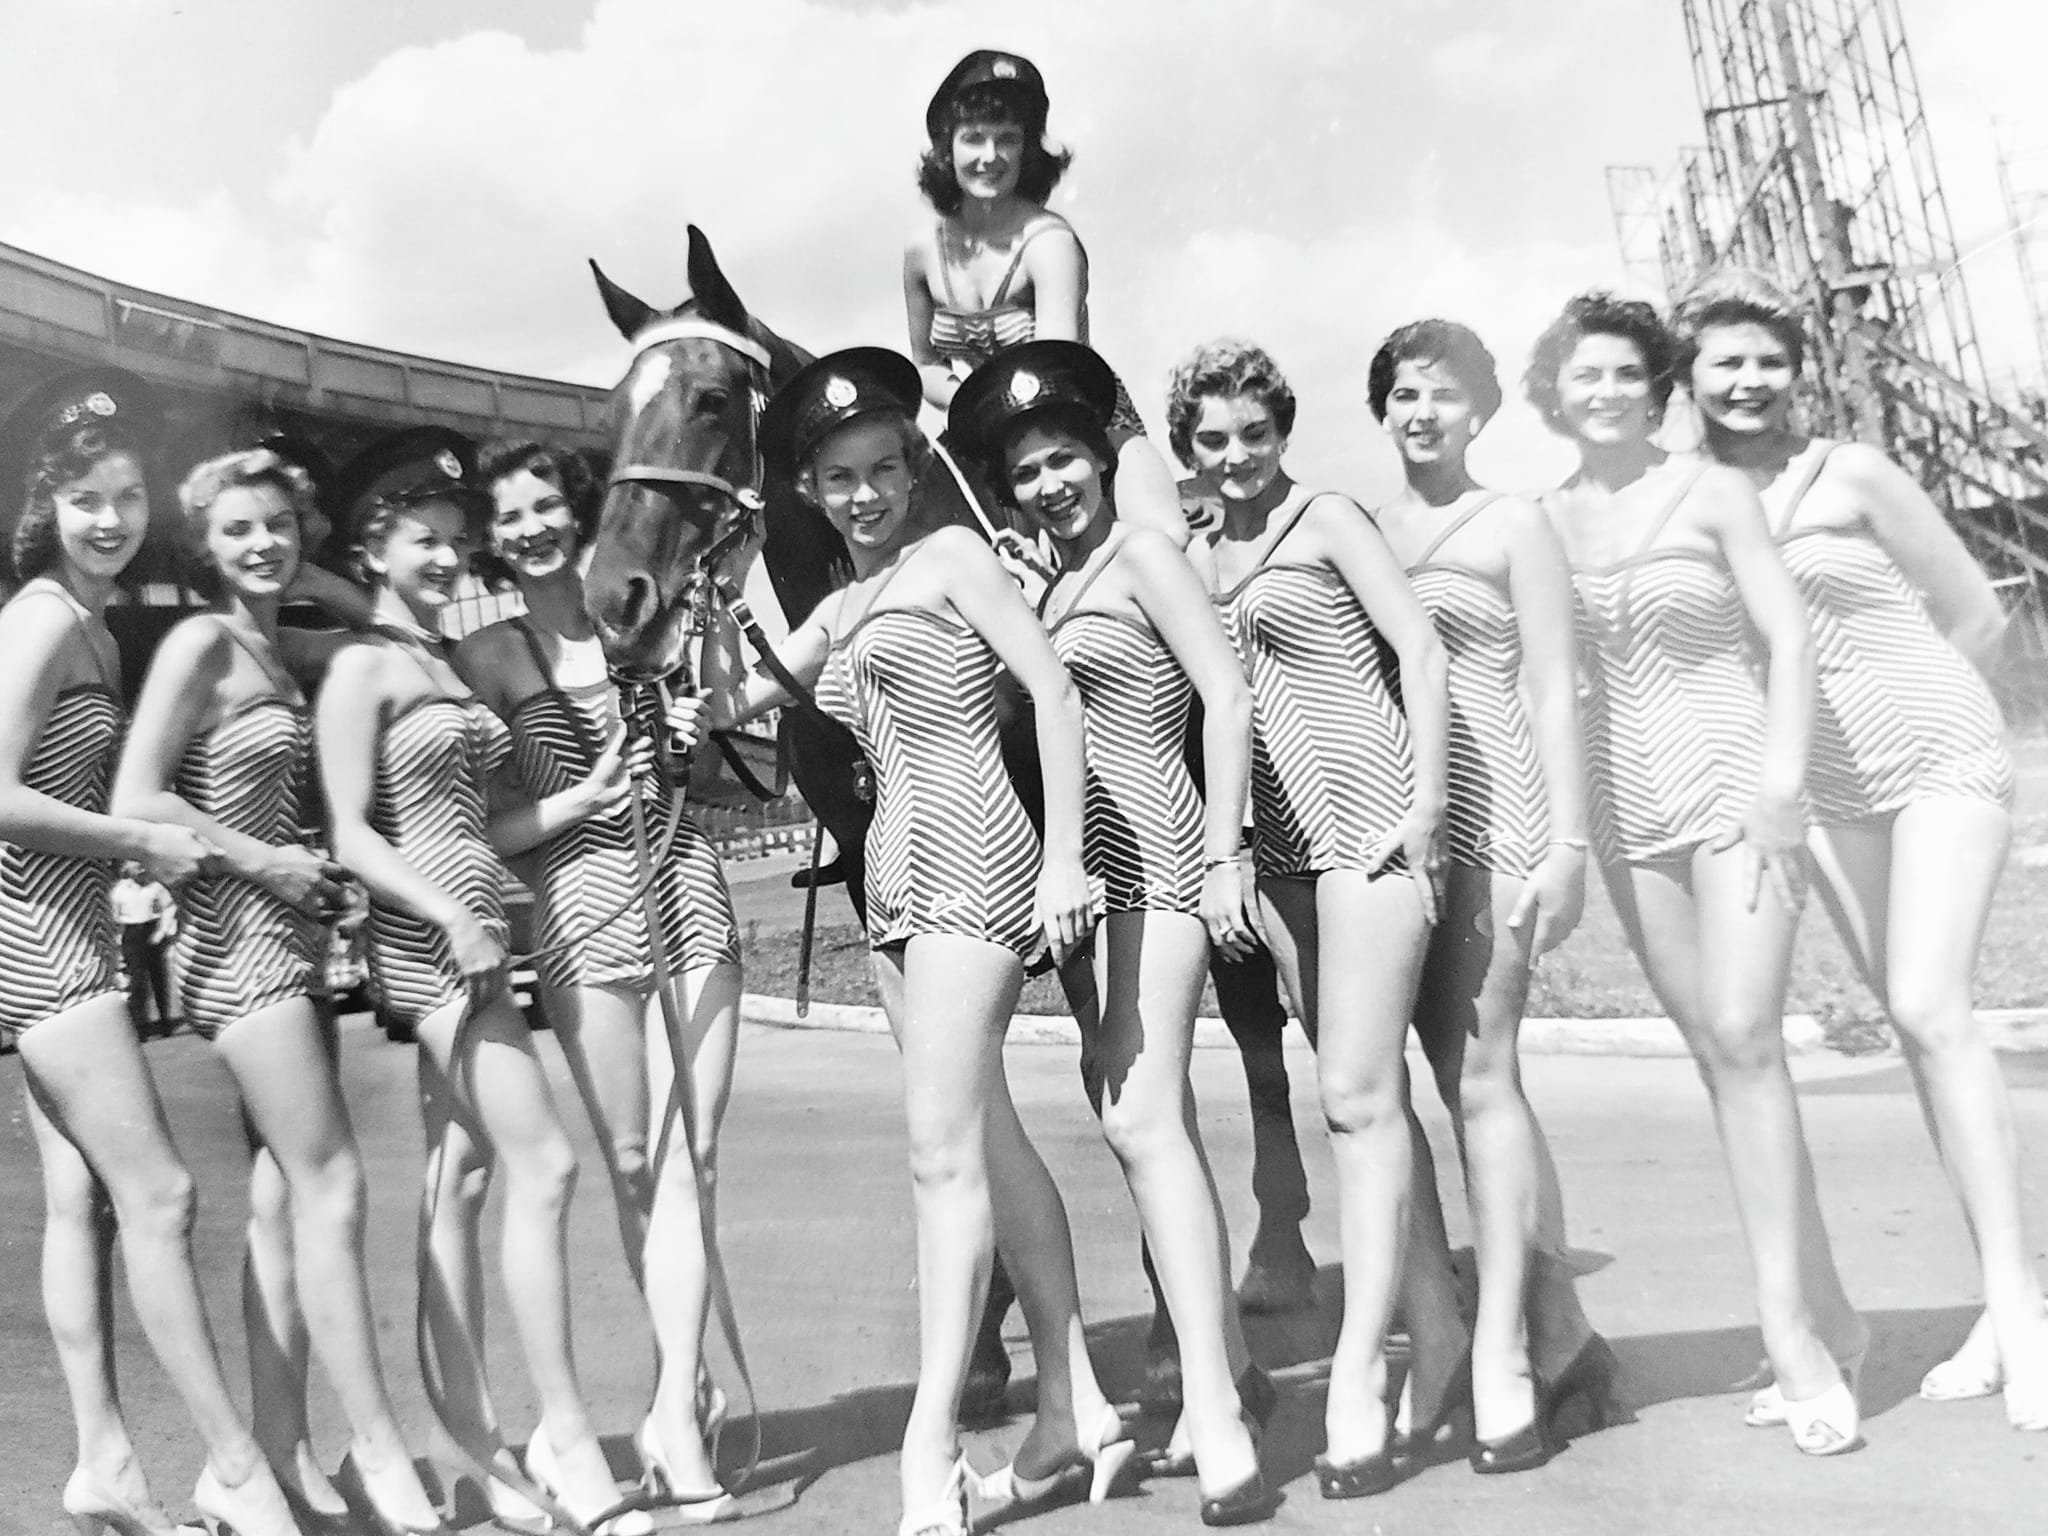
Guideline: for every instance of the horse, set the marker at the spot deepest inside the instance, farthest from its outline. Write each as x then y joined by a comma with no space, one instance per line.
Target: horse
685,471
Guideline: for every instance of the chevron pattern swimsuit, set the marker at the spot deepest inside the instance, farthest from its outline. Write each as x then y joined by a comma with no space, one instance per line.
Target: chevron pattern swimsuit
239,948
1496,814
58,944
435,757
949,849
1142,834
589,873
1902,715
1332,769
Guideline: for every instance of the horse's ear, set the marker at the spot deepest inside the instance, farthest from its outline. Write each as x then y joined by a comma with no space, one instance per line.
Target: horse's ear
629,314
714,295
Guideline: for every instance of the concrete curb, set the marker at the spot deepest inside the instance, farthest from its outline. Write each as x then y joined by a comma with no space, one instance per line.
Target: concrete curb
2018,1030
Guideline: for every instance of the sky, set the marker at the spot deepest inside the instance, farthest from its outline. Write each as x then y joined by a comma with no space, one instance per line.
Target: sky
431,175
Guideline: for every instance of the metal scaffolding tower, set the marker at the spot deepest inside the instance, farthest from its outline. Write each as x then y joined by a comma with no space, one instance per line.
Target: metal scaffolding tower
1818,170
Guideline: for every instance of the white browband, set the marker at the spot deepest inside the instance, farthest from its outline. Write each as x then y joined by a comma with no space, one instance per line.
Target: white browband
688,328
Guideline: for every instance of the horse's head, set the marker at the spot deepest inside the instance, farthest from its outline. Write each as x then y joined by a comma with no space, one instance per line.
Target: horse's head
685,471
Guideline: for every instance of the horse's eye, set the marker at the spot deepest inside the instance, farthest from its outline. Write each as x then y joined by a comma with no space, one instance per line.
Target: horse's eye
713,402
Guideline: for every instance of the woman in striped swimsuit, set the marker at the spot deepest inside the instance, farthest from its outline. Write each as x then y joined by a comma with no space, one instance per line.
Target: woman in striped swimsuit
996,269
1696,777
1348,787
1135,630
958,894
1489,570
107,1157
408,756
1911,782
219,744
544,674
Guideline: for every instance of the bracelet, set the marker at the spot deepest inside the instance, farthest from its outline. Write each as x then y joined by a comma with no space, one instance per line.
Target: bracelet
1579,843
1224,862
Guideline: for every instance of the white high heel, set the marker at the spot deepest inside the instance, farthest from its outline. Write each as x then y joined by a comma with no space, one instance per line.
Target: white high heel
95,1509
658,1481
546,1473
1767,1405
1828,1425
945,1515
253,1507
1105,1458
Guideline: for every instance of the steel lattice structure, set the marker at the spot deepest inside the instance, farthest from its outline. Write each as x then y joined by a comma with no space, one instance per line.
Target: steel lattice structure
1818,169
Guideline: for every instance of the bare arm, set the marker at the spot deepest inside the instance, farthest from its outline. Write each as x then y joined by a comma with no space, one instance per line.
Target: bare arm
1059,284
989,603
1775,827
1540,588
919,307
36,636
1927,551
735,693
1359,554
182,688
1173,598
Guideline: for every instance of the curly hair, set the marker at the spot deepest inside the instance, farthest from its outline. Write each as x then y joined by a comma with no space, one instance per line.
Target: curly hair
917,448
1737,296
1598,314
563,468
1443,343
62,455
990,103
1225,367
203,486
374,527
1066,418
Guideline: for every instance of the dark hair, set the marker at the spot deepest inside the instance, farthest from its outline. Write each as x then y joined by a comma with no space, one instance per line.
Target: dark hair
1737,296
1598,314
990,103
61,456
1225,367
1441,342
563,468
1069,418
203,486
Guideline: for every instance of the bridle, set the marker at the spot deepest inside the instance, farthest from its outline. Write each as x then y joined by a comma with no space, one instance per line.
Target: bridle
744,501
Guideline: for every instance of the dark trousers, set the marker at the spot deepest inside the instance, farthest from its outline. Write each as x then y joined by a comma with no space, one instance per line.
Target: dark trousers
147,977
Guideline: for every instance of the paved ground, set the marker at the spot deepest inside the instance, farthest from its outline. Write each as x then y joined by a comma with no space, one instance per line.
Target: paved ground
818,1234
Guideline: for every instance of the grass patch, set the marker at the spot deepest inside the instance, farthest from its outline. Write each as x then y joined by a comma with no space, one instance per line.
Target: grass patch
1593,975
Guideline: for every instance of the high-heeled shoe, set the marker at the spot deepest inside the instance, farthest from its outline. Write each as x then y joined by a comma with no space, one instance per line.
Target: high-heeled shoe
355,1489
1957,1380
1828,1425
658,1481
1523,1451
1006,1488
1250,1502
1588,1379
1767,1404
1365,1477
620,1517
1257,1399
253,1507
95,1508
947,1514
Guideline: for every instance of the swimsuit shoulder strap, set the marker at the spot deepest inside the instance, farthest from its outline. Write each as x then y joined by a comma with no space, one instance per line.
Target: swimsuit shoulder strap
1671,506
533,650
1031,232
1116,543
874,597
83,619
1308,500
287,689
1486,499
945,268
1803,484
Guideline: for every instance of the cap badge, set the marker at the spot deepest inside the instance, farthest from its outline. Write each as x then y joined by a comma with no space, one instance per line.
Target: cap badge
100,403
840,393
1024,386
1004,69
448,464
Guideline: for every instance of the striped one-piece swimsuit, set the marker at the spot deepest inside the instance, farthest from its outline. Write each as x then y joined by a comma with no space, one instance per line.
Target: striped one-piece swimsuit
1674,716
58,944
590,873
435,756
1496,812
1332,769
949,849
1902,715
239,948
1142,829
